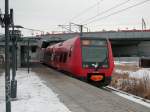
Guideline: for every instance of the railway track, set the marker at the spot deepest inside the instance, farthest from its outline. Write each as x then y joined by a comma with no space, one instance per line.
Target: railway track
128,96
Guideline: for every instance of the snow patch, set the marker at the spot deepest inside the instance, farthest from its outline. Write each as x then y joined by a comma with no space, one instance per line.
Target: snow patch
34,96
140,73
126,63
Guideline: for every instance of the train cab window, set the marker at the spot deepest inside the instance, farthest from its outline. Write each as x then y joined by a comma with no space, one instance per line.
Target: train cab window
97,53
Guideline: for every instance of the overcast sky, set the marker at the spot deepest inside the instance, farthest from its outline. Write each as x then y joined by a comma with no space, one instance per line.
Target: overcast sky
47,14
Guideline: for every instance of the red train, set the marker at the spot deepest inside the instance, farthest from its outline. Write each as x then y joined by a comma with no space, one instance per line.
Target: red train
88,58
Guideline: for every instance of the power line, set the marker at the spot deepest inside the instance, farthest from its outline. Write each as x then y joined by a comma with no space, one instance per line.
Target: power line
114,13
32,29
108,10
84,11
81,13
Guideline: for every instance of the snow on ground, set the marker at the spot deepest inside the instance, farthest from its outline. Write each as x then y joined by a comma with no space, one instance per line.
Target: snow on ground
137,74
125,62
140,73
33,95
119,71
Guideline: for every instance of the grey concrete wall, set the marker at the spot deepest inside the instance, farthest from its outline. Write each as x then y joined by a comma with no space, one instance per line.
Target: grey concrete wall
144,48
131,50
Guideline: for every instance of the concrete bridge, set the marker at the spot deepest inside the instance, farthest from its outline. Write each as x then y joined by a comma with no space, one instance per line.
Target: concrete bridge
124,43
113,35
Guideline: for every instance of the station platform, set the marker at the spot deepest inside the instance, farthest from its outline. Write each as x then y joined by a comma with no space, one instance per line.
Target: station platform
79,96
76,95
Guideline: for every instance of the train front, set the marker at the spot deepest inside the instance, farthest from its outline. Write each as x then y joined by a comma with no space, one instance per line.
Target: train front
97,60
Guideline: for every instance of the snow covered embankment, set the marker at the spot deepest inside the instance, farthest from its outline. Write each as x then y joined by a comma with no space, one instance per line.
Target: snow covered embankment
132,79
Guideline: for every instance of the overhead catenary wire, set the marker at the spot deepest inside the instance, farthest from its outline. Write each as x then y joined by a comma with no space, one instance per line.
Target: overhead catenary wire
33,29
119,11
78,15
105,11
81,13
84,11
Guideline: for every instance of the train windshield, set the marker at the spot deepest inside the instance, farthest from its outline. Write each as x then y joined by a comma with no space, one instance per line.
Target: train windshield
94,53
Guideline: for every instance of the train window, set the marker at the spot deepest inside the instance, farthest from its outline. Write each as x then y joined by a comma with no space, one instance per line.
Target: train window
61,57
56,56
94,53
52,57
50,54
70,51
65,56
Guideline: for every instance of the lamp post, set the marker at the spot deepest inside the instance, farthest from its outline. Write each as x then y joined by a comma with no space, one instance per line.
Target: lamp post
14,64
13,34
13,81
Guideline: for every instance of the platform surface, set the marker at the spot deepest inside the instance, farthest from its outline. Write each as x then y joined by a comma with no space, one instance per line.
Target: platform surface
79,96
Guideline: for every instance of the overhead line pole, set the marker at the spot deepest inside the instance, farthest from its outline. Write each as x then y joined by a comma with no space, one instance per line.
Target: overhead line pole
81,30
7,60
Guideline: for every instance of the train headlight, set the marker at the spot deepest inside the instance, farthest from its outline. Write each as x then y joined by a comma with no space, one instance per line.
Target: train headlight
86,66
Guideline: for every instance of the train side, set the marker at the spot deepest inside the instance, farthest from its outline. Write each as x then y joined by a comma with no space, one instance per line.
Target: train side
84,57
